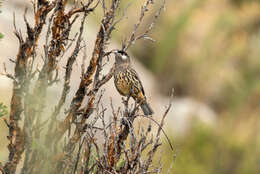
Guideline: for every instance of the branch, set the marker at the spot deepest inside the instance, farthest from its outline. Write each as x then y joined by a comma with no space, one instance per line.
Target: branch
16,135
87,79
8,75
134,37
67,76
157,144
105,79
84,8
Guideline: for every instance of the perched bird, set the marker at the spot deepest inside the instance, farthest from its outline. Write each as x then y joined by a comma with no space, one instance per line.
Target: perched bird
127,81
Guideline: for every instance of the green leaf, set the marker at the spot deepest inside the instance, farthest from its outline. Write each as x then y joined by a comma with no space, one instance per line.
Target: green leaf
120,164
3,110
1,35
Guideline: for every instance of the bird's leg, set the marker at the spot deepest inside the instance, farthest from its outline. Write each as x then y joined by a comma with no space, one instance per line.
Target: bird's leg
128,96
126,102
136,107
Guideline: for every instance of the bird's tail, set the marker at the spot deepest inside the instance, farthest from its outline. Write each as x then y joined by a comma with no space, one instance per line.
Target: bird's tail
146,108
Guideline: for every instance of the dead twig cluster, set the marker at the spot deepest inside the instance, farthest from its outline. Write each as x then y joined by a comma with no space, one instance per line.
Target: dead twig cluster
42,138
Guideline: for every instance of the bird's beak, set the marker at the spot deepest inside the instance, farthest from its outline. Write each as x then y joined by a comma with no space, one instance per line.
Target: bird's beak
115,51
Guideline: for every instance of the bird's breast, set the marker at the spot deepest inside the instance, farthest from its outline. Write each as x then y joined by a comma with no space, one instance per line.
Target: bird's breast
122,83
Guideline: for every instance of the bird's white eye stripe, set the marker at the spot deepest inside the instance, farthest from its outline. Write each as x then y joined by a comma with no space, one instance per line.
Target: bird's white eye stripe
124,57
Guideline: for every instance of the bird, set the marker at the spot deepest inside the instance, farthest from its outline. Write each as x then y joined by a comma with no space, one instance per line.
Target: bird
127,81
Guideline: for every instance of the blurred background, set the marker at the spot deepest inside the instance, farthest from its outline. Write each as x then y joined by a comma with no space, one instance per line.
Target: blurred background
209,52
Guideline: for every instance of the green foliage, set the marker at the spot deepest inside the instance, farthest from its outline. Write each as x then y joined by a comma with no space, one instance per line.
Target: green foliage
3,110
209,50
206,151
120,164
209,54
241,2
170,39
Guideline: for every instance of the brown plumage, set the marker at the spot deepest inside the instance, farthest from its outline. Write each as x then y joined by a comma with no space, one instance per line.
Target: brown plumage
127,81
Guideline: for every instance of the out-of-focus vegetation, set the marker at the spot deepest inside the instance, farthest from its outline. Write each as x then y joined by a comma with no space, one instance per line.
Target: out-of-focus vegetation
3,110
209,50
1,35
231,149
42,138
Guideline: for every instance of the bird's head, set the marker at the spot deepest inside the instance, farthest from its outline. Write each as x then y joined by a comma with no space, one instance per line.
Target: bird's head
121,57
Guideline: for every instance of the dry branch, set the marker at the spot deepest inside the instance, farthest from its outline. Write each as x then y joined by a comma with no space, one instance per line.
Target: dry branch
144,9
87,79
16,134
42,136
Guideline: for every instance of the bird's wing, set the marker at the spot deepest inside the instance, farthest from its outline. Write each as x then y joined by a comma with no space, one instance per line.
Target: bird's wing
136,80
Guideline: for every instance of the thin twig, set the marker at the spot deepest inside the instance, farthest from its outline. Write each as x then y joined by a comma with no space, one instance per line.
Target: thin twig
134,37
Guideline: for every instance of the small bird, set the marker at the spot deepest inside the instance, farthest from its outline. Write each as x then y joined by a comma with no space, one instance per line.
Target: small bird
127,81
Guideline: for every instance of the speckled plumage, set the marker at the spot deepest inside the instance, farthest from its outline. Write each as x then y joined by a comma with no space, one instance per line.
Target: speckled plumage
127,82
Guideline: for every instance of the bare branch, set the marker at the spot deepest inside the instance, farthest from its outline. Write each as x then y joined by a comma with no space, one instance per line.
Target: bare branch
80,150
84,8
134,37
17,34
97,56
67,77
5,73
157,144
